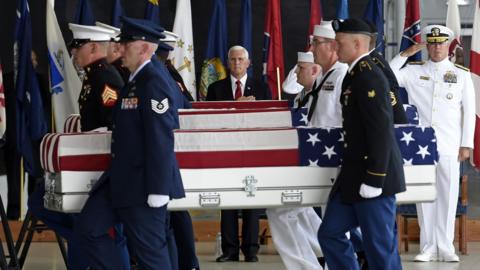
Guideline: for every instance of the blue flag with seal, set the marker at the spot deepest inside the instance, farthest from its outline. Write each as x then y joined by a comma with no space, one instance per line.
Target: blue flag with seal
342,10
152,11
213,67
374,14
117,12
30,118
245,39
84,14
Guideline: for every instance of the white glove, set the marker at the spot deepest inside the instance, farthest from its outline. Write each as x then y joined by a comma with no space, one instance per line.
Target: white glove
100,129
157,200
368,192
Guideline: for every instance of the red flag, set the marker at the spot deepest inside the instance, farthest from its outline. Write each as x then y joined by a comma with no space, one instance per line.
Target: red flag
3,119
475,70
453,22
273,48
315,16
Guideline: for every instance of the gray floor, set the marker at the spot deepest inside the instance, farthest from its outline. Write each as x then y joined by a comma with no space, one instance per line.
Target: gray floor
46,256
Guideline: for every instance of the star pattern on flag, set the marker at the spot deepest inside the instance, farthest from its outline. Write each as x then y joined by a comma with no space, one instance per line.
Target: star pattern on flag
407,137
313,163
180,43
304,118
190,48
423,151
329,151
313,138
407,162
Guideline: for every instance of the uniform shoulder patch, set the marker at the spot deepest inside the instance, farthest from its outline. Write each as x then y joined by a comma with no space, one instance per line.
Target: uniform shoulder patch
159,107
416,62
462,67
109,96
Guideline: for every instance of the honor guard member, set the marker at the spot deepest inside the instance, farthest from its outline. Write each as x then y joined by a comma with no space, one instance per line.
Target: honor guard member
115,51
371,173
101,82
180,221
399,115
294,230
444,95
142,176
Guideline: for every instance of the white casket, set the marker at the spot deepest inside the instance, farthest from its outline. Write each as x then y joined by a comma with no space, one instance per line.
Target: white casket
246,156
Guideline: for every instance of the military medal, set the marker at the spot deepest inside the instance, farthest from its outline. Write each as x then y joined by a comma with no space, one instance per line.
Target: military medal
129,103
450,77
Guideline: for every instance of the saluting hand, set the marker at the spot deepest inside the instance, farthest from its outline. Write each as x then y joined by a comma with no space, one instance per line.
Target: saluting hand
463,153
412,50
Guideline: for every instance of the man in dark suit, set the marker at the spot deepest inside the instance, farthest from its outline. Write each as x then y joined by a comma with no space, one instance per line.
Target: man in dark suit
238,86
372,173
142,176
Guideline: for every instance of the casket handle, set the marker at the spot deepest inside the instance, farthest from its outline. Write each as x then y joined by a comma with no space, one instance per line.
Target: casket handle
290,197
210,199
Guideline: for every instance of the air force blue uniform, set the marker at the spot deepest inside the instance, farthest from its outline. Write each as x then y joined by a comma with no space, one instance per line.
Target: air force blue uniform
370,156
143,163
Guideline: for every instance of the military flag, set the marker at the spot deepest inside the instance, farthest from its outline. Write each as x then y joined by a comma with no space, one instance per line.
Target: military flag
213,67
152,11
315,18
342,10
475,70
374,14
245,39
3,118
65,84
453,22
31,124
84,14
411,29
183,52
273,65
117,12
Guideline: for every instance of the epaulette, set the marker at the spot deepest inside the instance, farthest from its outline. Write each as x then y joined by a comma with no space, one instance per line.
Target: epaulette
416,62
462,67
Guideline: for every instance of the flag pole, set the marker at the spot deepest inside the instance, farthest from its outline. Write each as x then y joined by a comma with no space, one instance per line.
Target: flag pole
22,195
278,84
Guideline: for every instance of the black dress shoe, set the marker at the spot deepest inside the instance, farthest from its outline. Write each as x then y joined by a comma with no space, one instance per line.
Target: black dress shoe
253,258
227,258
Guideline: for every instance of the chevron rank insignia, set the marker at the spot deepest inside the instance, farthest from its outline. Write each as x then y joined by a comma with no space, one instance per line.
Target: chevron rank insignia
371,93
109,96
160,107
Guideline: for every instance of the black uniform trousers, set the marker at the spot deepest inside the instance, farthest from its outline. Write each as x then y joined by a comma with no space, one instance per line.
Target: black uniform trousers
229,228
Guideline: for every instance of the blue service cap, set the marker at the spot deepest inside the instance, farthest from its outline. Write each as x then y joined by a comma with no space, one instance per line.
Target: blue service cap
139,29
162,46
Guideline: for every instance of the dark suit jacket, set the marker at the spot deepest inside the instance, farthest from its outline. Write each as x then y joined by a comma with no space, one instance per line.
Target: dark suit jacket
371,154
222,90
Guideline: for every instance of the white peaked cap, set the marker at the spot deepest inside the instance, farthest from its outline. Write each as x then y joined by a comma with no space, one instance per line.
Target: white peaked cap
324,29
92,33
116,31
169,37
306,57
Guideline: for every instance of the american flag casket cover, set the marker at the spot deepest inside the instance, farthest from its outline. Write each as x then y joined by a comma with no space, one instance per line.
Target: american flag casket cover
248,167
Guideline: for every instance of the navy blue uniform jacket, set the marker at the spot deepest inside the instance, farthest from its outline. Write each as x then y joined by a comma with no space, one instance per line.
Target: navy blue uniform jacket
143,158
371,154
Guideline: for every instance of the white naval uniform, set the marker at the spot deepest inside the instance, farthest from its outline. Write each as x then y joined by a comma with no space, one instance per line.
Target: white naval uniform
441,91
294,230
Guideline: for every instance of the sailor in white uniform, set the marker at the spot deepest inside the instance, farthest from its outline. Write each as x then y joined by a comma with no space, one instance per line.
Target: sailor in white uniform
444,95
294,230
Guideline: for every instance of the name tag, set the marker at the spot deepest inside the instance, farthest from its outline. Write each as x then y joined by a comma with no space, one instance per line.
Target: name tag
129,103
425,78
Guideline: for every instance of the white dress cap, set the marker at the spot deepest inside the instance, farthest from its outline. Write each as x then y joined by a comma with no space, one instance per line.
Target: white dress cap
169,37
306,57
89,32
116,31
324,29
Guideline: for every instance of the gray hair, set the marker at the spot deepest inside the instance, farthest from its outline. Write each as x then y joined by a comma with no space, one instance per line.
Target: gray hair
238,48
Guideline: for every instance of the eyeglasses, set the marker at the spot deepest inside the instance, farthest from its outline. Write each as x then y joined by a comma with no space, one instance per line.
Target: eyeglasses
317,42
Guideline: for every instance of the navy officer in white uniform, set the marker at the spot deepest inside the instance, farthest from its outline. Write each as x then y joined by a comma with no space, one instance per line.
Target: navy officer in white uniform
142,176
372,173
444,95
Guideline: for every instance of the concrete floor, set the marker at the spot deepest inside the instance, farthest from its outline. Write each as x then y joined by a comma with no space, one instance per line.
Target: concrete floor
46,256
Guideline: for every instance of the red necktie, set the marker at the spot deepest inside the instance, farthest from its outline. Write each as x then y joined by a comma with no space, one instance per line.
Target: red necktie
238,90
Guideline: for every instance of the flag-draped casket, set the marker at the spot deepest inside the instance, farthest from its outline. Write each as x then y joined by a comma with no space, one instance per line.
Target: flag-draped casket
250,156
